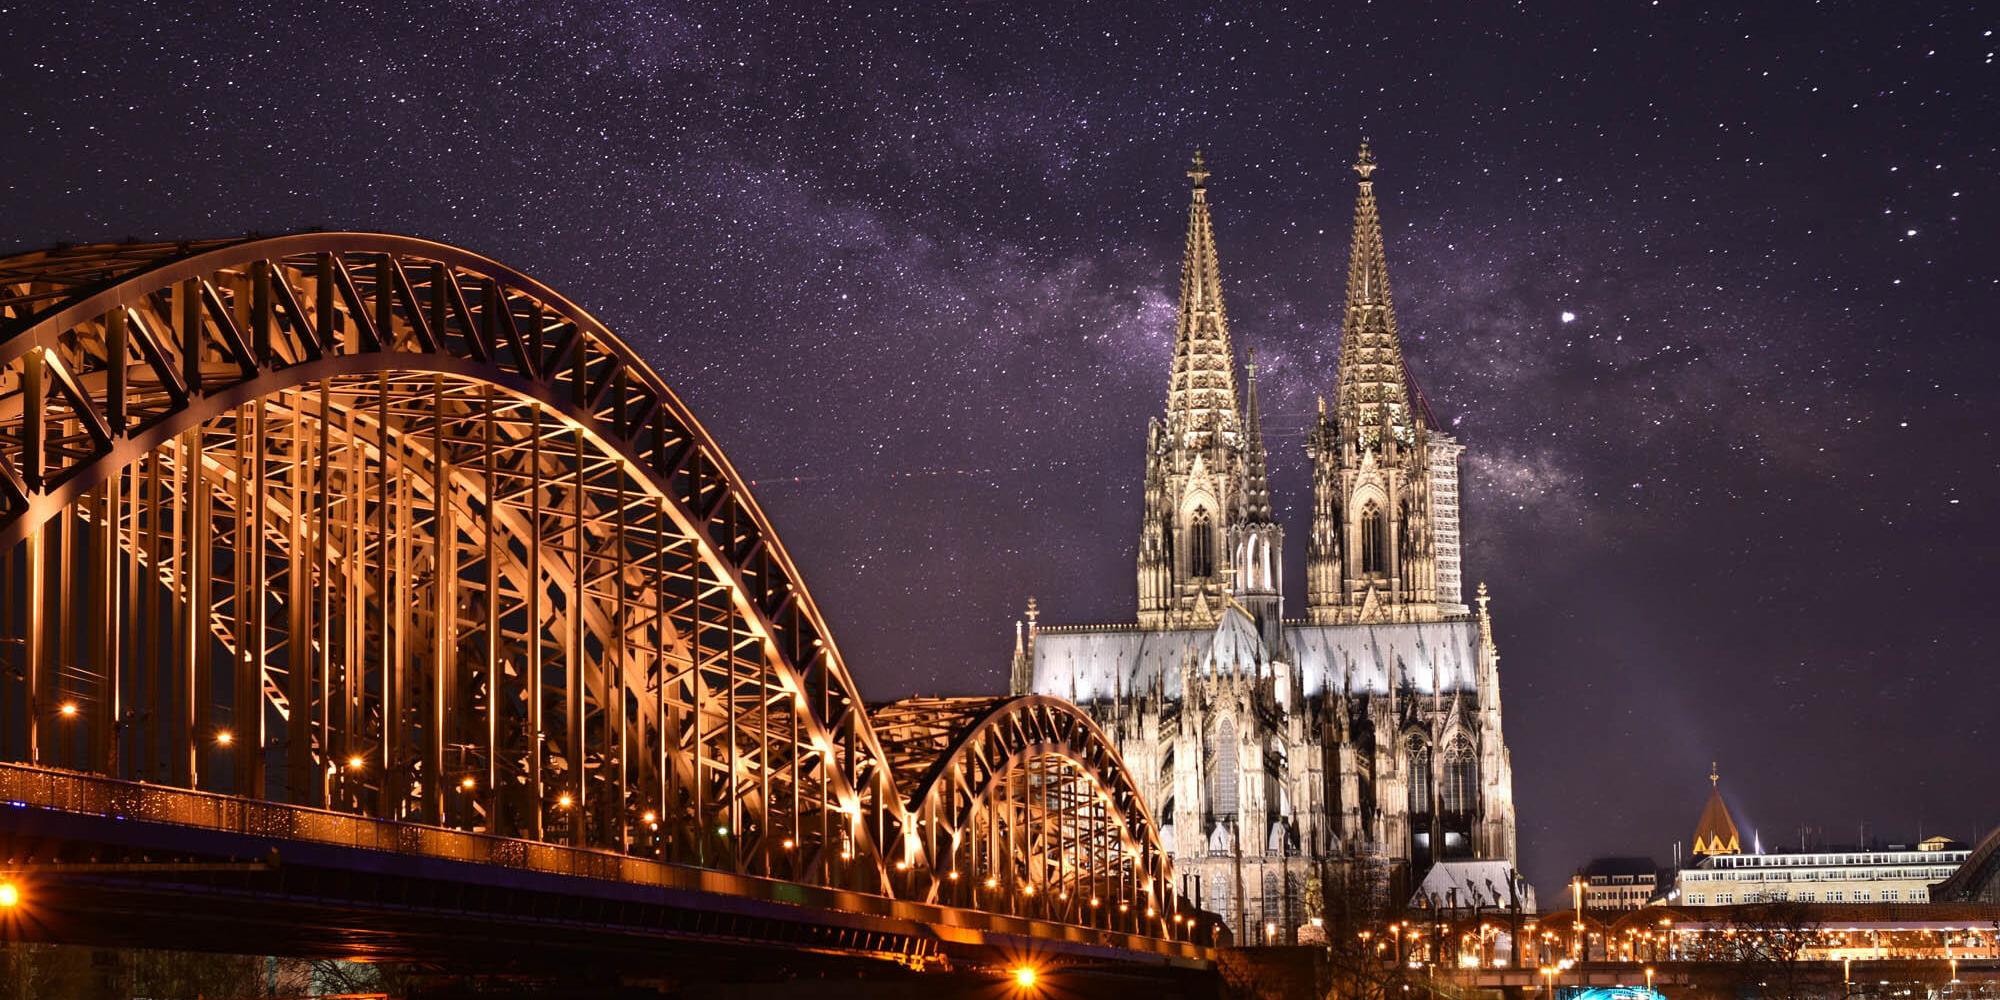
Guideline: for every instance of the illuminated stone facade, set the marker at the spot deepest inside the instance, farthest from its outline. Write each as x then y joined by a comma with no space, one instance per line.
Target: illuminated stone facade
1368,732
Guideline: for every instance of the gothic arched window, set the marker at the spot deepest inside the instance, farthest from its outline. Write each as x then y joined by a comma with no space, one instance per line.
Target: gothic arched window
1372,540
1461,776
1223,780
1201,545
1419,762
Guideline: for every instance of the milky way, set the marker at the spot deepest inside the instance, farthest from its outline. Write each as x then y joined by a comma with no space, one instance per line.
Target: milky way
1709,298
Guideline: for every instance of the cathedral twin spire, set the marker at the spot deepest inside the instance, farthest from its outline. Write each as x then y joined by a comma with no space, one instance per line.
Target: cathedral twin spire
1205,483
1373,395
1373,553
1201,398
1209,536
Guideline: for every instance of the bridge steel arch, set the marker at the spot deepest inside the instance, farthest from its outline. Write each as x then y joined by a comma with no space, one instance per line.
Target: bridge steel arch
375,525
1028,808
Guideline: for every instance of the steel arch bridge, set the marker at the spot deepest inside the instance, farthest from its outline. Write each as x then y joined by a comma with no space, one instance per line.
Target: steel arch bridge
368,540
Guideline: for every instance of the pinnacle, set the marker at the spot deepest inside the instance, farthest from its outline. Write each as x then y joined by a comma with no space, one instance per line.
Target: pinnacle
1373,390
1257,485
1201,396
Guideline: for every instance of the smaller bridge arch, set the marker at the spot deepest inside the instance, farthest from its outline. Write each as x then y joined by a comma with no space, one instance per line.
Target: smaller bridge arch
1026,808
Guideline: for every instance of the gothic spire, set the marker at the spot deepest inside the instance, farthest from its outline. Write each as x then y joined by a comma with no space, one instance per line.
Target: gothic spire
1202,394
1257,485
1374,393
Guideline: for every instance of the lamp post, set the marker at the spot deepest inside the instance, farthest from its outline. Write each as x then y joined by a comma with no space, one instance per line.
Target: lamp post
1577,950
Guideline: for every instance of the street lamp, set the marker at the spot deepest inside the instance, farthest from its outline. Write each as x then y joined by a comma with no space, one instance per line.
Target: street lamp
1576,944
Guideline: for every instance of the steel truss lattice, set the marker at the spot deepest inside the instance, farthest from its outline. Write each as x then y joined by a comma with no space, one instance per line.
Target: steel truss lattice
373,524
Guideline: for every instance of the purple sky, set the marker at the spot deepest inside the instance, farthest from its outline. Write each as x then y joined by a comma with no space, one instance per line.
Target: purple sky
1709,298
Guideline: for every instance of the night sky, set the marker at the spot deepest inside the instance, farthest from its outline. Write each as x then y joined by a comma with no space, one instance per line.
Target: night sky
1709,297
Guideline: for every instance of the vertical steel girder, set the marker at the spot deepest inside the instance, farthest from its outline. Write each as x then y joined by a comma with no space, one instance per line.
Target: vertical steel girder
375,524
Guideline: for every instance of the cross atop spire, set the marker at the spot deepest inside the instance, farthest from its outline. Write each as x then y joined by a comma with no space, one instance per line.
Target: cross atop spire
1714,775
1374,394
1201,397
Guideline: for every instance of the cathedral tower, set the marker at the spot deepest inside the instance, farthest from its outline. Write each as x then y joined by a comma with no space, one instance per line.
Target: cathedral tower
1196,496
1372,555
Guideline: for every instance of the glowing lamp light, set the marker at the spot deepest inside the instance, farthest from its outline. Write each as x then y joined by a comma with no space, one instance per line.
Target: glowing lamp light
649,817
563,801
902,866
992,883
789,844
1094,901
1025,976
225,737
356,762
952,876
722,830
68,710
1027,890
467,783
10,895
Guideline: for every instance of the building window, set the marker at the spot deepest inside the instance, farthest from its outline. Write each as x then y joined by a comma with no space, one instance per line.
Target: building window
1271,909
1461,777
1201,545
1373,554
1222,782
1420,776
1891,895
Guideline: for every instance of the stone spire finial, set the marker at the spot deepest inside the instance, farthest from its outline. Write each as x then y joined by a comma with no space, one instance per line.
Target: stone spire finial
1373,395
1714,775
1201,395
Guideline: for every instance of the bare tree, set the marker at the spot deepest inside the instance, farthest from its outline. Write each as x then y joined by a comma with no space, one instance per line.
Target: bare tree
1765,945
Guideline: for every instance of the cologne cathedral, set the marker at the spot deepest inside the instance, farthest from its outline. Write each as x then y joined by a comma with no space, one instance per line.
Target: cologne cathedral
1271,747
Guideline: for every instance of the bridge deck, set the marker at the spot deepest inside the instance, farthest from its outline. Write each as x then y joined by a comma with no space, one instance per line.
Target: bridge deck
52,816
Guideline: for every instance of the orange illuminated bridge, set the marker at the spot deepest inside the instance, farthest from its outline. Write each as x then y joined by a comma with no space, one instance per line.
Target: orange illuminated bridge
362,595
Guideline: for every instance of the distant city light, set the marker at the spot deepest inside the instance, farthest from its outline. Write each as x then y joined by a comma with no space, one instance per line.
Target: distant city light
1568,317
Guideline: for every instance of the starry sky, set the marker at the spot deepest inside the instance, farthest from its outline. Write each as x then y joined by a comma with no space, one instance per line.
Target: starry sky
1708,295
